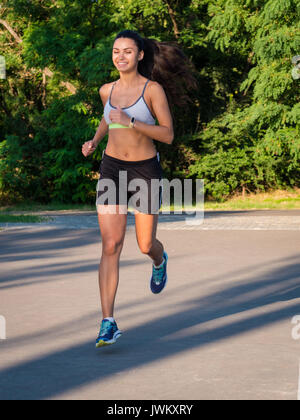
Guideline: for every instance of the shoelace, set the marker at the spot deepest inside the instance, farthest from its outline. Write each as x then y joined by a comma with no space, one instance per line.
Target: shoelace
105,327
158,273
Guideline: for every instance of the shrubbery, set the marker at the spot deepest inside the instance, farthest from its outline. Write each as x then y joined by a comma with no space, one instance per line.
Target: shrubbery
240,134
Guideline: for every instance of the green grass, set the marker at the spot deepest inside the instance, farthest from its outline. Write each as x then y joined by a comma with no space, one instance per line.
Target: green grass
9,218
279,199
276,200
34,207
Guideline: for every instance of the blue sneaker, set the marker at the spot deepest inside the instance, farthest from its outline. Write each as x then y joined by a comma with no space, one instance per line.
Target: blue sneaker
109,333
159,276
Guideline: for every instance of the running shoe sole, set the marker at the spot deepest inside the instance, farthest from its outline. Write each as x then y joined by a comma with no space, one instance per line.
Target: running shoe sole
103,343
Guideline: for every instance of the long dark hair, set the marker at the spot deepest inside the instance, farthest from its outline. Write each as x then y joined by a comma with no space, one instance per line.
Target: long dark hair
165,63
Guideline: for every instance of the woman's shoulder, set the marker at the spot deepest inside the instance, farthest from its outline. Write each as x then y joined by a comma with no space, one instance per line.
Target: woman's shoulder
104,89
153,84
155,89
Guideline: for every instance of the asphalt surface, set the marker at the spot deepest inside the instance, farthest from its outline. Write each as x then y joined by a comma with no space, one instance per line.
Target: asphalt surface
222,329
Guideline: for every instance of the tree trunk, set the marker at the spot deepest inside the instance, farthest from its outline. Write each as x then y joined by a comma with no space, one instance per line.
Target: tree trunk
173,19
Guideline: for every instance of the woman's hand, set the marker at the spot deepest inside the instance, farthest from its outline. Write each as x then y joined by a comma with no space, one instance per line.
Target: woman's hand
88,148
117,116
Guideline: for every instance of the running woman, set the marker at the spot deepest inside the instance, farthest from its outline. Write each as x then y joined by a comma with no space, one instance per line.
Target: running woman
132,104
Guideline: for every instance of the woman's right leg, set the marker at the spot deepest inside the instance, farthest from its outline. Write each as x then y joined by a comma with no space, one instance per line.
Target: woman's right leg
113,229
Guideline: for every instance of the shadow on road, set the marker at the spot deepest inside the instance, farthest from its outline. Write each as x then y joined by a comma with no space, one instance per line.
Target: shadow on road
61,371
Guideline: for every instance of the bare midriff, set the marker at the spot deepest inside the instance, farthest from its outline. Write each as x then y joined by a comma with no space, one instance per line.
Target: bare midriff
127,144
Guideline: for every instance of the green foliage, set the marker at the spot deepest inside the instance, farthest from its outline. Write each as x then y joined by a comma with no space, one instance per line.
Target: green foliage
259,138
241,131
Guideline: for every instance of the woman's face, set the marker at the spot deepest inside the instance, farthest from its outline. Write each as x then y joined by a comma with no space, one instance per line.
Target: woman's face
126,55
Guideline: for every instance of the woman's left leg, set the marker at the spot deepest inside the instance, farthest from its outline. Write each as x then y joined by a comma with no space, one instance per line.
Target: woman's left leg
145,229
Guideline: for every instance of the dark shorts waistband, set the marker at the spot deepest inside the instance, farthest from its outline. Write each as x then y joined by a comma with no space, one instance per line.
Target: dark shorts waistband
130,162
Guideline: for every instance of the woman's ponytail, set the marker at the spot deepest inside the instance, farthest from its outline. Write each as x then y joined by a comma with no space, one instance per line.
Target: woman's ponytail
165,63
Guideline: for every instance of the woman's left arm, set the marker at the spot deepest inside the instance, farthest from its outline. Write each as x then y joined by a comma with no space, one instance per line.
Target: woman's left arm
164,131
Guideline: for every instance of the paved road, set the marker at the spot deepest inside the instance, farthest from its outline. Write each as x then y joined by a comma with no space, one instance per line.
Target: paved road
221,330
212,220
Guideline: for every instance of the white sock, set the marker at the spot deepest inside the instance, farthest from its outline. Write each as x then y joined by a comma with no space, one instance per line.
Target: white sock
110,319
158,266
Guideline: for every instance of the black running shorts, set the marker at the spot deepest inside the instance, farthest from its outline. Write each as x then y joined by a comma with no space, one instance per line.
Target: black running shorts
134,183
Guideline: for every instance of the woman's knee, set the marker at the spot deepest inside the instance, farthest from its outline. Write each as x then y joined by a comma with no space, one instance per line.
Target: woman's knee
111,246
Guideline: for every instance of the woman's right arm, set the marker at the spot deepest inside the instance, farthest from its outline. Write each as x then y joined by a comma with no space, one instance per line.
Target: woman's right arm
90,146
103,127
100,133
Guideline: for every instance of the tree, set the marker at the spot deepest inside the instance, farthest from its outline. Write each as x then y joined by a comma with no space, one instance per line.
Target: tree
241,132
262,115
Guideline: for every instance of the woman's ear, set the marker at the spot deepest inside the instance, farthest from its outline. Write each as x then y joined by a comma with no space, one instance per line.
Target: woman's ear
141,55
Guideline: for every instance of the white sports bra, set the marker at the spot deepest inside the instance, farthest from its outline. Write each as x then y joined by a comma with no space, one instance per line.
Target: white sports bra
139,110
